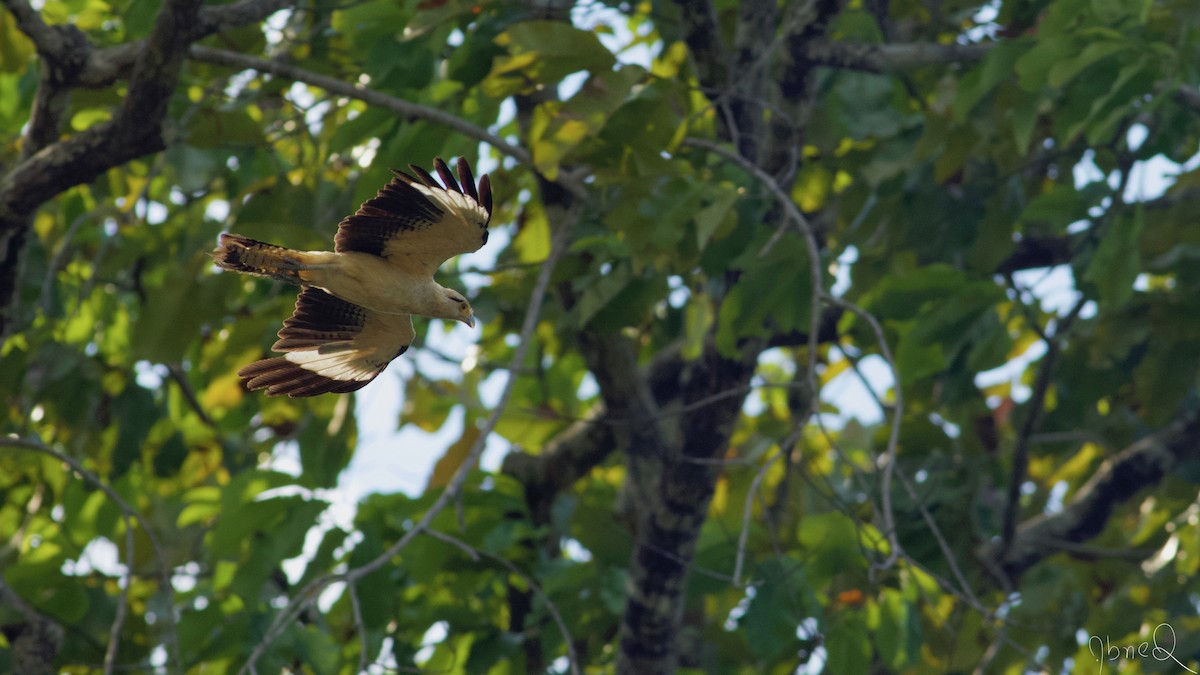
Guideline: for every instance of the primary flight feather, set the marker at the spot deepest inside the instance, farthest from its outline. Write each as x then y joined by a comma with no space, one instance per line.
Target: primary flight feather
353,315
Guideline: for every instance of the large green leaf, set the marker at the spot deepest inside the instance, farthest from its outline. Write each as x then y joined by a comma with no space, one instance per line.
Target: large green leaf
544,52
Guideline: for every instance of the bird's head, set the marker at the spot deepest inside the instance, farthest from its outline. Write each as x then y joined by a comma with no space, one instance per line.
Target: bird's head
457,308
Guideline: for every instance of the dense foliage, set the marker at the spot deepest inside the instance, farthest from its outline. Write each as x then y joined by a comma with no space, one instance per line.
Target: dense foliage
856,336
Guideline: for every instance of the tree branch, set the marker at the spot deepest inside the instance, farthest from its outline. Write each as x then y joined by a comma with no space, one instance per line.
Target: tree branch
803,22
1020,463
49,166
703,38
1086,514
52,42
888,58
136,128
102,67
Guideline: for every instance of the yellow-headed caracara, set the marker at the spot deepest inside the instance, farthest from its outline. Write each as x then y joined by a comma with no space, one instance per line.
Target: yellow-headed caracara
353,315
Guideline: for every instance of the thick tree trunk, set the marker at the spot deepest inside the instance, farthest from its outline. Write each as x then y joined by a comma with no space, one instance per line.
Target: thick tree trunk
678,486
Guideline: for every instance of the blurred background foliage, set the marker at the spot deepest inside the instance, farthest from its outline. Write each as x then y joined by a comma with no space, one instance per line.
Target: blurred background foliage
1021,220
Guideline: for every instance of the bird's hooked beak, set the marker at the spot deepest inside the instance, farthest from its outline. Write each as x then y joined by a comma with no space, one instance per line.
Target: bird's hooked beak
470,321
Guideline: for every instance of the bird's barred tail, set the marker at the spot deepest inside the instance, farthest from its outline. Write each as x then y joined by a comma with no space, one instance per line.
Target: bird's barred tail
250,256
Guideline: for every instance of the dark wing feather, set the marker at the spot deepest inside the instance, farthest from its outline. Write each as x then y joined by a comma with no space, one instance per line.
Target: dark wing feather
333,346
398,207
418,222
447,177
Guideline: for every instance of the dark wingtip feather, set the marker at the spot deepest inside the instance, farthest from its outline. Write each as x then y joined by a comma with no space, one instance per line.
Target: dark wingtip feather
281,377
485,194
447,176
404,176
466,178
427,179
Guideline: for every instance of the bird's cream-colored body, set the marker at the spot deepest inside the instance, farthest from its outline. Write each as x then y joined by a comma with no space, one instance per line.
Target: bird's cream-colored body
353,315
371,281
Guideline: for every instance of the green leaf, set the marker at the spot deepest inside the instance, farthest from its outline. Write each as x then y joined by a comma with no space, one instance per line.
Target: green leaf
450,461
996,67
1164,376
699,317
559,127
1034,66
136,407
543,52
897,635
847,643
770,621
427,403
176,308
327,442
16,50
1117,261
600,292
832,540
902,294
1024,118
717,216
1064,71
532,242
773,295
210,128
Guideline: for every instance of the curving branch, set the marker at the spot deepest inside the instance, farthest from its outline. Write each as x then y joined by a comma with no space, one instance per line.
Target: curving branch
96,68
48,165
283,69
224,57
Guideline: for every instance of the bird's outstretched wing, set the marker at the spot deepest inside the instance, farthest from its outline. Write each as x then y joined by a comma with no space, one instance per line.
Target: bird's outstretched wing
331,346
418,223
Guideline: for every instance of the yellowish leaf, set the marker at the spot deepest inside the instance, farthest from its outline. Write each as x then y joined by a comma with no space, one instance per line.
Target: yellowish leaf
455,455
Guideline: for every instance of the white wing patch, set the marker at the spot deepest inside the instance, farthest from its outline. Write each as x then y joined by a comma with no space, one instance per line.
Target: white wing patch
350,364
456,205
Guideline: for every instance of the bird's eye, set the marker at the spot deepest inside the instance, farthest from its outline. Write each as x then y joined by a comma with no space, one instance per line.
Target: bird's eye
463,306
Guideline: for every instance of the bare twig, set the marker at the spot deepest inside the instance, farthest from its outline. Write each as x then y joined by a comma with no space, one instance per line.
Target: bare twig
744,535
1037,401
370,96
114,633
943,545
796,217
189,394
885,483
360,626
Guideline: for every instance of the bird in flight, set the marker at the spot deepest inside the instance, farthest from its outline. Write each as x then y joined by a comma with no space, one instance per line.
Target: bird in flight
353,315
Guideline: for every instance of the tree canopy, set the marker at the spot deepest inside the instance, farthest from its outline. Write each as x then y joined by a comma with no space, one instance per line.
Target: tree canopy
832,336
